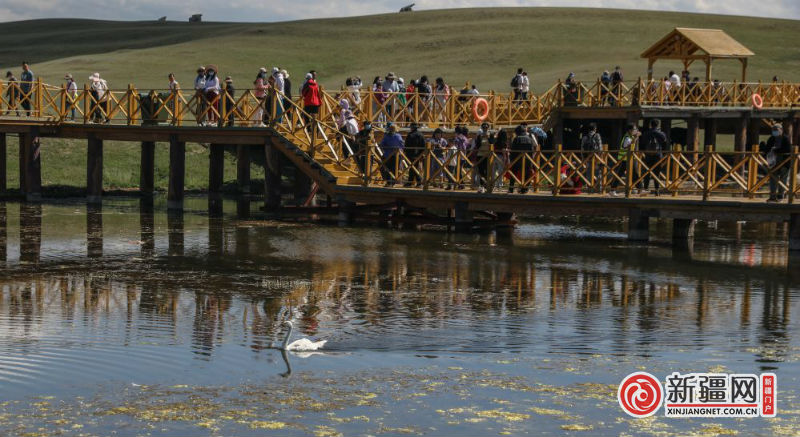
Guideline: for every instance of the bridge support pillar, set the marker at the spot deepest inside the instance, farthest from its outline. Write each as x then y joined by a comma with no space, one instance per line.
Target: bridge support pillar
638,225
3,234
175,232
177,173
794,233
558,132
94,170
94,230
711,133
753,128
345,211
788,128
216,174
682,231
3,163
243,168
30,232
147,169
272,178
666,127
30,165
147,227
740,135
463,217
693,133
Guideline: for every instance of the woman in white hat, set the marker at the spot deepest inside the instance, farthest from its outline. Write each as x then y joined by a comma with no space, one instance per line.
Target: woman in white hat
212,94
72,94
99,91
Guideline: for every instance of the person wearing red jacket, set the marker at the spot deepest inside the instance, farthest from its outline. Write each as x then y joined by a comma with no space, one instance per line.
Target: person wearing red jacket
312,99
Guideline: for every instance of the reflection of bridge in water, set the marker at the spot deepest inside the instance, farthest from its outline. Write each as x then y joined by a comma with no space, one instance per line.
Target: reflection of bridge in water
172,291
697,182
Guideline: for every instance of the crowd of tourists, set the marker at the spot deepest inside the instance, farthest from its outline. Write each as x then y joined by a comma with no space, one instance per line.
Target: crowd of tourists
496,155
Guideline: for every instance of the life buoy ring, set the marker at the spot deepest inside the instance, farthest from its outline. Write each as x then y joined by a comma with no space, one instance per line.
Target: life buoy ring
478,114
758,102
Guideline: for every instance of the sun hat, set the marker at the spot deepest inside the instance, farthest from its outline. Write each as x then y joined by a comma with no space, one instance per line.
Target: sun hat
262,69
67,76
228,79
95,77
285,73
309,76
275,70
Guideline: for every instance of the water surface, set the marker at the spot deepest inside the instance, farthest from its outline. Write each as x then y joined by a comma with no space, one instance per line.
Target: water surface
146,322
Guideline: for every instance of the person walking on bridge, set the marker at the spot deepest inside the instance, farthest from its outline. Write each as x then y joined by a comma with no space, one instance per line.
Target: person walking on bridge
778,148
391,146
312,98
260,93
72,94
415,148
653,142
212,90
26,88
199,93
516,85
628,144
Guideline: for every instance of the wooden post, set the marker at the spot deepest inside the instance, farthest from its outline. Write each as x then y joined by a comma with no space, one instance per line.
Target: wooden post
711,132
650,63
175,232
558,131
638,225
216,172
33,165
3,163
692,133
753,128
147,228
794,233
708,69
147,169
272,177
30,232
788,129
177,170
94,170
740,134
708,177
94,230
243,168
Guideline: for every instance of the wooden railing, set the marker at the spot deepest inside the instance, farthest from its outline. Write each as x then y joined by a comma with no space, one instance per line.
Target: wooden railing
131,106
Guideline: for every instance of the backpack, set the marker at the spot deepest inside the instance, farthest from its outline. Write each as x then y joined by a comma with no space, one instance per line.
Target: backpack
652,143
515,81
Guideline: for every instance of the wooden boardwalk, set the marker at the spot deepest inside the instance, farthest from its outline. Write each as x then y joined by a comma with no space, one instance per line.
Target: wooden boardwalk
698,182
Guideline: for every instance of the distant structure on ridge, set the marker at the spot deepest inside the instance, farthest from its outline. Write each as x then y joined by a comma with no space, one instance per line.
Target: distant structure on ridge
162,19
196,18
407,8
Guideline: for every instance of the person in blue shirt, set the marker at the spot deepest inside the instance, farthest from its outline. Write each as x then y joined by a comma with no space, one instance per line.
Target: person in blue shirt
26,85
391,145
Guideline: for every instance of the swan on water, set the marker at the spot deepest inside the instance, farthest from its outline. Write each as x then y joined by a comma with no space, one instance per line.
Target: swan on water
303,344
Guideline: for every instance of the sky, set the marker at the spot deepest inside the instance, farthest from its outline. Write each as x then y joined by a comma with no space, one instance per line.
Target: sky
282,10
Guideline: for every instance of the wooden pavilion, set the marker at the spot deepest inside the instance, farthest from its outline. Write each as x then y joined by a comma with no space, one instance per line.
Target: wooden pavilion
689,45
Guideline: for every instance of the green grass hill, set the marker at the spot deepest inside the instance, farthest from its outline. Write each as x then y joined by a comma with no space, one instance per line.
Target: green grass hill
484,46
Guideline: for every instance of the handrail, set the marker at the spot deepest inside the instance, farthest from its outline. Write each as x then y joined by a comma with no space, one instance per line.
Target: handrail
130,106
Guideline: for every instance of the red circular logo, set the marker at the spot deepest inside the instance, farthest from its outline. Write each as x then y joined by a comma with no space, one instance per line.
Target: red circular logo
640,394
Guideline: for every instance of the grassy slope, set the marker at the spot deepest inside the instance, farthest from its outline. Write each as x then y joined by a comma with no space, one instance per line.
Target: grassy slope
482,45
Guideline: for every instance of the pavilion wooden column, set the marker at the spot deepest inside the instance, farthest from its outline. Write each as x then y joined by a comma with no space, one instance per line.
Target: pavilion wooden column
693,133
147,168
3,163
788,129
177,172
744,69
666,127
216,173
558,133
708,69
94,170
243,168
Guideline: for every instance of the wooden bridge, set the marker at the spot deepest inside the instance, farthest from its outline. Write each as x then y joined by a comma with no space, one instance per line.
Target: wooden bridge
697,182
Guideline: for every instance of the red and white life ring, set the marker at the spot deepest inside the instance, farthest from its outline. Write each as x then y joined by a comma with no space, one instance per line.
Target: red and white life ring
480,109
758,102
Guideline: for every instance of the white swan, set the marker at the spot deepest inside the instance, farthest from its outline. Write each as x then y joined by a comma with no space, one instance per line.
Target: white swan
301,345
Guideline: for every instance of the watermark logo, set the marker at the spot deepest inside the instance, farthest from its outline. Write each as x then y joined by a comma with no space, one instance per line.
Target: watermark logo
640,394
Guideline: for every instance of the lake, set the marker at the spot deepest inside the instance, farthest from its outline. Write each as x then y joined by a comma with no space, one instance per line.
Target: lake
147,323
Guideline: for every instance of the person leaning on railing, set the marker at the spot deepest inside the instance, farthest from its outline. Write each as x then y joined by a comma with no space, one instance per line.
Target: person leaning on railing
653,143
778,148
520,145
363,140
199,91
230,100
